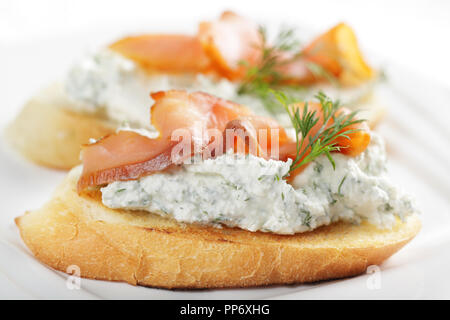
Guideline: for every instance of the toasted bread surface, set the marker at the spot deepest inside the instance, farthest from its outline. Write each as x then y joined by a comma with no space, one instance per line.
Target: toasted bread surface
145,249
47,132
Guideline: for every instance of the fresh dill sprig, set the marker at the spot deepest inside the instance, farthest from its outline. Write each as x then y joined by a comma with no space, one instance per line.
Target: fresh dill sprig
321,73
260,78
309,147
265,75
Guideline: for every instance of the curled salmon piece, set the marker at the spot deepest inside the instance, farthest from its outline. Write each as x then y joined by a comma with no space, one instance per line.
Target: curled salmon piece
337,52
260,136
123,156
357,141
202,113
175,109
165,52
230,40
233,39
180,117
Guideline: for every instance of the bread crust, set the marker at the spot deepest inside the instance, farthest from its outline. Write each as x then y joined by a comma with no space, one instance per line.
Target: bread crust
47,132
149,250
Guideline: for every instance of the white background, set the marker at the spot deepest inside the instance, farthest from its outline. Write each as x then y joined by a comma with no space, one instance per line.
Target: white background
412,34
39,39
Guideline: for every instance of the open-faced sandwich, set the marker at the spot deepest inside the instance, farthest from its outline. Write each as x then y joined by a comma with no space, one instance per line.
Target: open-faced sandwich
221,197
231,58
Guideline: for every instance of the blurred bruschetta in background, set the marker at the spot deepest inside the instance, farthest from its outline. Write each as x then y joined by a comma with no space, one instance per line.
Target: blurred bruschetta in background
230,57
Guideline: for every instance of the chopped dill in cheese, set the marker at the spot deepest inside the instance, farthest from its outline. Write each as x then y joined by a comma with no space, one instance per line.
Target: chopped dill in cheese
248,192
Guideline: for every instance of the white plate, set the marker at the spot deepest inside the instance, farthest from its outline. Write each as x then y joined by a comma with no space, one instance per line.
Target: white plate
417,133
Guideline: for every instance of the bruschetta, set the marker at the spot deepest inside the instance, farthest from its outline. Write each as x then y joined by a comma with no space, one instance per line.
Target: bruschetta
222,197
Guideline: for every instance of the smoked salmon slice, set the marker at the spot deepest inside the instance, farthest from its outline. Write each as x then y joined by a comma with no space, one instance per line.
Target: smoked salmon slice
125,155
231,44
234,43
336,52
206,121
198,118
165,52
229,41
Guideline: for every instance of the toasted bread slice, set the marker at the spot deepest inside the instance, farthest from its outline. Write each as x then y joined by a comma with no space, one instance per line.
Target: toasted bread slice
145,249
47,132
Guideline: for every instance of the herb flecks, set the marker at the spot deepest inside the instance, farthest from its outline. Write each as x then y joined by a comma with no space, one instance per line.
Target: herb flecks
334,125
307,217
318,167
340,186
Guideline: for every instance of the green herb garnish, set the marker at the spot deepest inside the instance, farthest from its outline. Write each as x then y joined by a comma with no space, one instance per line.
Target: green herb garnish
340,185
260,78
320,72
266,74
310,147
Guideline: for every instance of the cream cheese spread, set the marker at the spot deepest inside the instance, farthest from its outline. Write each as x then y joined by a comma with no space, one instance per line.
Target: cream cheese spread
250,193
109,84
